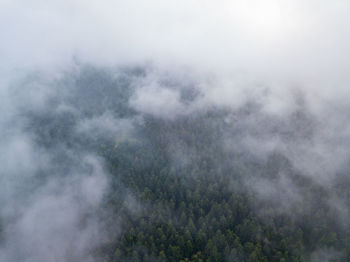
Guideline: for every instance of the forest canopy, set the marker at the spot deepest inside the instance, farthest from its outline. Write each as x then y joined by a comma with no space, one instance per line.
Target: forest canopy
204,185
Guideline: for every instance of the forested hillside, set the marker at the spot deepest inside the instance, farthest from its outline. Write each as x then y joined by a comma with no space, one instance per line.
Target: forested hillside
203,209
191,188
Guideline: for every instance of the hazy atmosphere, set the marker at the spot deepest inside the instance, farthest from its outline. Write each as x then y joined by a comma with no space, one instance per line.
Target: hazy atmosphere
174,130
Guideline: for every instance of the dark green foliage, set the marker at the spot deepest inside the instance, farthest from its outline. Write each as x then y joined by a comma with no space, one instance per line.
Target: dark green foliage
203,209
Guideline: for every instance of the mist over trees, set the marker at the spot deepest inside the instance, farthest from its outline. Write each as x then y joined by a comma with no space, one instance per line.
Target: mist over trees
208,183
156,130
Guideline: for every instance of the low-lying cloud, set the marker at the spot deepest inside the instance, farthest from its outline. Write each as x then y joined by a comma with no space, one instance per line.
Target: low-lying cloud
280,70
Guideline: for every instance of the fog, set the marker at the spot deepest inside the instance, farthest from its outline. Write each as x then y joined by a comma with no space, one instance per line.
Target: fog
279,68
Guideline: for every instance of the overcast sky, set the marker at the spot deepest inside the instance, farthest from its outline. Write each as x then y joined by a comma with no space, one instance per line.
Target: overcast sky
284,39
